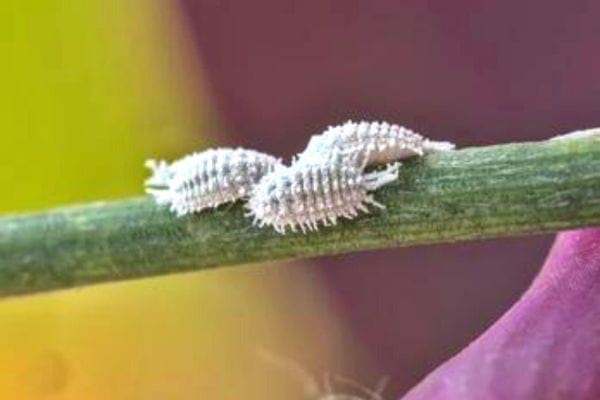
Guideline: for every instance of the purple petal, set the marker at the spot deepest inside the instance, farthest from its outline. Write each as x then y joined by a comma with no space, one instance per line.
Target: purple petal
547,346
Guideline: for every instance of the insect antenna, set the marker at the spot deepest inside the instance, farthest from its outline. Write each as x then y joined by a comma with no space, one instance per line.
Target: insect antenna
294,370
373,394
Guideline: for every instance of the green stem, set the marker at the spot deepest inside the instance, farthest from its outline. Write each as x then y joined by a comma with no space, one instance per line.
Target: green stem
473,193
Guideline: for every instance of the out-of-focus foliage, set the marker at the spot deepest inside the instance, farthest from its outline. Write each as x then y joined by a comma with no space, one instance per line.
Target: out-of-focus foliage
89,90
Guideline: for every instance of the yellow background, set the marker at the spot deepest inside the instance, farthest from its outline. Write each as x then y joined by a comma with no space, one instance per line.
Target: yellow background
89,90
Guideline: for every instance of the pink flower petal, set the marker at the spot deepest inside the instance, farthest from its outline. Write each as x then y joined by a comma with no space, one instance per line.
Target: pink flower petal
547,346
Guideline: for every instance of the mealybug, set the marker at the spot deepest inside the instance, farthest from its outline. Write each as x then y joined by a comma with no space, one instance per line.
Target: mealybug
306,194
207,179
326,181
382,142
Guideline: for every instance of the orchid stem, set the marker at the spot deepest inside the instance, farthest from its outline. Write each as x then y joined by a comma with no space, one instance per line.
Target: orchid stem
474,193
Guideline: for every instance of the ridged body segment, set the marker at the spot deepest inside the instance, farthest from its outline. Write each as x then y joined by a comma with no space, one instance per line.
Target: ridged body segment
325,182
379,142
207,179
305,195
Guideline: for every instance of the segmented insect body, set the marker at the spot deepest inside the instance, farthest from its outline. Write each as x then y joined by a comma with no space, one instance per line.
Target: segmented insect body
207,179
306,194
325,182
380,143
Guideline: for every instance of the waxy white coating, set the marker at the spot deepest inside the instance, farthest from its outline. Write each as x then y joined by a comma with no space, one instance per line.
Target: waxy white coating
302,196
207,179
325,182
378,142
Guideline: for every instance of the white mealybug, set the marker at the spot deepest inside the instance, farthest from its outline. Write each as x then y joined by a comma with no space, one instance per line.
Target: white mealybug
207,179
306,194
381,143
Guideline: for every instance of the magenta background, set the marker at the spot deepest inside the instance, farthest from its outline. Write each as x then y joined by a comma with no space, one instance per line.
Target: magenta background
474,72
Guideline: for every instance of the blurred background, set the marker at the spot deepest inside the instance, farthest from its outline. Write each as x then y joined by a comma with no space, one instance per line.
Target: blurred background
92,88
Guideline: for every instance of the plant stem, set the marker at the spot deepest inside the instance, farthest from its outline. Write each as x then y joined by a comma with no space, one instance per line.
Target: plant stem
473,193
